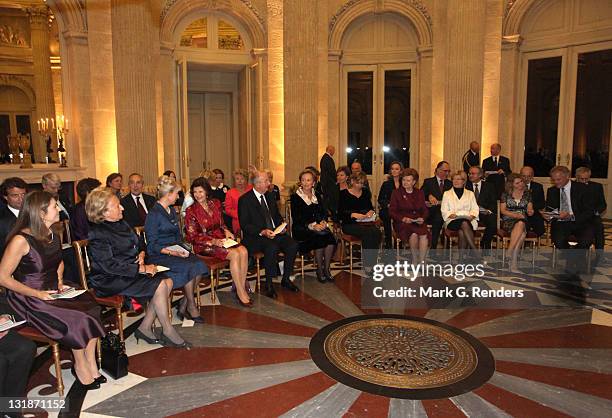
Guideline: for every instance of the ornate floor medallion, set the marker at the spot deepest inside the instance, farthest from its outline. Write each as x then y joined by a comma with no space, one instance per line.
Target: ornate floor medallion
401,356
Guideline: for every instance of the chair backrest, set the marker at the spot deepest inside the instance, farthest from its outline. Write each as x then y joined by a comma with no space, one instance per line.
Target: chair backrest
62,229
288,218
82,259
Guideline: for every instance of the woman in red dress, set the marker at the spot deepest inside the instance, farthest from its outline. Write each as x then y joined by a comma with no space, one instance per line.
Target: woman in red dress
241,186
409,212
205,230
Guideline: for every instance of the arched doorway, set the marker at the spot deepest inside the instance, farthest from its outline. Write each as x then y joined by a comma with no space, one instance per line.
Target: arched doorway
218,83
16,108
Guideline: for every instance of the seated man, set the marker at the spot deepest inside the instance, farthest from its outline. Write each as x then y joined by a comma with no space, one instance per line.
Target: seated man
486,197
433,188
136,204
583,175
574,201
258,215
13,190
535,223
52,183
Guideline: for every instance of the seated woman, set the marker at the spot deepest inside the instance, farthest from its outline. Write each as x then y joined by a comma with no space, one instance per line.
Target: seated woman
384,198
514,208
356,205
115,182
205,230
181,193
79,225
460,211
409,212
118,267
309,225
32,271
162,232
241,186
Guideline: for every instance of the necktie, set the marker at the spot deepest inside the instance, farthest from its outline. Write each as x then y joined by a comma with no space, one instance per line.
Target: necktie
264,206
441,186
142,213
476,191
564,201
495,161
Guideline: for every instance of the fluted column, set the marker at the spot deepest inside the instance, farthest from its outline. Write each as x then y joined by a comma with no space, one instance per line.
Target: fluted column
300,81
167,71
43,81
464,78
508,98
274,142
134,85
426,161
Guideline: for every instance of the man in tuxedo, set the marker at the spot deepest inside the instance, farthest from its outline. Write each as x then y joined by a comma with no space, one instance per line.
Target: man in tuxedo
136,204
471,158
356,168
486,197
328,178
583,175
52,183
496,168
535,223
574,201
13,191
259,216
433,188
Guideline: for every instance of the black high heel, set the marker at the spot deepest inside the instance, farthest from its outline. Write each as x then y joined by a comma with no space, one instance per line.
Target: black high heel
139,335
167,342
249,304
93,385
197,319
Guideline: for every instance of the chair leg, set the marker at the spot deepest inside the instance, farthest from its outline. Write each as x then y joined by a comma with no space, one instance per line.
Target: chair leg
258,273
170,306
351,257
119,323
302,258
213,285
58,368
99,350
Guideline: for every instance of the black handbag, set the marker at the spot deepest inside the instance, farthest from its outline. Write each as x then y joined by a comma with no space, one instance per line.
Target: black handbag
114,359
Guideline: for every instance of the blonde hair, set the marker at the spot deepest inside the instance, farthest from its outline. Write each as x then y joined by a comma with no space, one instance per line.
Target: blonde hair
50,178
461,174
241,172
97,202
207,174
166,185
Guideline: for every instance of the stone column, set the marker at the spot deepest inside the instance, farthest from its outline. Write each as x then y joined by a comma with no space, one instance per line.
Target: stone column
43,81
508,106
134,87
426,162
300,81
167,83
491,78
464,78
274,142
333,105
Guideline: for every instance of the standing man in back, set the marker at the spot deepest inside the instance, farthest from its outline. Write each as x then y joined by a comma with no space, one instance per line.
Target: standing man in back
328,178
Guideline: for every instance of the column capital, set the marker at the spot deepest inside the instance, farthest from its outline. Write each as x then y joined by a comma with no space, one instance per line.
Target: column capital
425,51
511,41
334,54
259,52
39,16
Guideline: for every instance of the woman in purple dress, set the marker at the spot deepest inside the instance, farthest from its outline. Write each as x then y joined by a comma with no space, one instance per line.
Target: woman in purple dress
32,271
409,213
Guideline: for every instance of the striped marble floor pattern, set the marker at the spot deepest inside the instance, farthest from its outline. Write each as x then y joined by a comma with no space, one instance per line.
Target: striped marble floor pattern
551,361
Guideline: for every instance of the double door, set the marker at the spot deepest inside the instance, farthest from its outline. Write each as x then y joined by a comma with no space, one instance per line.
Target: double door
379,118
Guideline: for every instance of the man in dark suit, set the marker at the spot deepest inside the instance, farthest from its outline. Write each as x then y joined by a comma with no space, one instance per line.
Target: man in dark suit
136,204
471,158
496,168
433,188
13,191
328,178
259,216
583,175
52,183
574,201
486,197
536,222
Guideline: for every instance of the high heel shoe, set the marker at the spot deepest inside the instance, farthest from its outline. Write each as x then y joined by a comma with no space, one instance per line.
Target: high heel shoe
328,276
248,304
167,342
93,385
101,379
139,335
197,319
320,276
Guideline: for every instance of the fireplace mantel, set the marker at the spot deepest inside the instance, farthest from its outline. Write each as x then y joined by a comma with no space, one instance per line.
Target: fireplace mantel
34,175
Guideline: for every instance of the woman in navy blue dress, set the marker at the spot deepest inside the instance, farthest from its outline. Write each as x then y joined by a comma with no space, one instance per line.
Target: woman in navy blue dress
163,231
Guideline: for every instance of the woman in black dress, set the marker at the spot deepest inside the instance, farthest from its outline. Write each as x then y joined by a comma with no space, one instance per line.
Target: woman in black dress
309,225
384,198
32,270
118,267
354,209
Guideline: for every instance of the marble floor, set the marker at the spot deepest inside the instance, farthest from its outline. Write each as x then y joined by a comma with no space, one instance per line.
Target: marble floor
551,360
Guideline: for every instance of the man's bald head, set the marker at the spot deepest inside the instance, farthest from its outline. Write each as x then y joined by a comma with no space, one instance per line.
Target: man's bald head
330,150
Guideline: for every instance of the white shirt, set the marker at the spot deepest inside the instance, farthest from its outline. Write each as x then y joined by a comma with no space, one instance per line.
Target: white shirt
142,202
15,211
479,184
62,208
258,196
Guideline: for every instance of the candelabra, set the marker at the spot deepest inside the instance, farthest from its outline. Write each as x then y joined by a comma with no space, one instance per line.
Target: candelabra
62,130
45,129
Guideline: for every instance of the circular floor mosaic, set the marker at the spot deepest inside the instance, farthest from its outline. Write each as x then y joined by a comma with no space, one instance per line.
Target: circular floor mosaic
401,356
